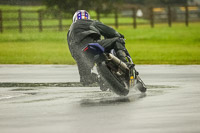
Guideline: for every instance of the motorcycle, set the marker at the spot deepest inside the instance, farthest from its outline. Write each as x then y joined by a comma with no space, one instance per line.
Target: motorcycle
113,73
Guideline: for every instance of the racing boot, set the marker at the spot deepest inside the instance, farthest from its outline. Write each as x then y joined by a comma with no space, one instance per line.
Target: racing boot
89,79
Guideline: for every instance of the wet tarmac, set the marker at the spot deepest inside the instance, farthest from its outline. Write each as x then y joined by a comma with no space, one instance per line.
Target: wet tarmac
39,98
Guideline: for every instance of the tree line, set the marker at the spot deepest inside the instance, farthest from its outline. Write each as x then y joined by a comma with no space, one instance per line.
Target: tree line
157,2
103,6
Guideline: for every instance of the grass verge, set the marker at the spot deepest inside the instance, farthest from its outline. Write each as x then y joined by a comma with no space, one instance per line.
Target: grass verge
160,45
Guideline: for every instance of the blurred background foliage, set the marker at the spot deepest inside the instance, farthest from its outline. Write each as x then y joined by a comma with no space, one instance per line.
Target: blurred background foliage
103,6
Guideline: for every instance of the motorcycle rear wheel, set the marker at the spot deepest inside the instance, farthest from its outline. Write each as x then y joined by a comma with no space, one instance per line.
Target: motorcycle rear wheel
118,87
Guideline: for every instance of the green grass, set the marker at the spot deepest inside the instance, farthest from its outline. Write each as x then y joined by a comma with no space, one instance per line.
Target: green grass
9,7
35,53
164,45
159,45
34,48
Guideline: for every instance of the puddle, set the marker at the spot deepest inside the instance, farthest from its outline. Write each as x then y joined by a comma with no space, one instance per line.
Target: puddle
64,84
109,98
112,100
22,89
86,96
10,96
160,86
31,93
42,100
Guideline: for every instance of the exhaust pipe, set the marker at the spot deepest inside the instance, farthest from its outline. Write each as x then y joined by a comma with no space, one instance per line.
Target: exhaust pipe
118,62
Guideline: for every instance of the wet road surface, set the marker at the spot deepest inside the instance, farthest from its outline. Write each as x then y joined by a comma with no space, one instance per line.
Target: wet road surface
171,104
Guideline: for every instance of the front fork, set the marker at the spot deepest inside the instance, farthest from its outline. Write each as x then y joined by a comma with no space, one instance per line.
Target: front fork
132,77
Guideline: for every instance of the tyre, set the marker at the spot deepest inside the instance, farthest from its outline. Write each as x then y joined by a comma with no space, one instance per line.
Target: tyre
103,84
117,86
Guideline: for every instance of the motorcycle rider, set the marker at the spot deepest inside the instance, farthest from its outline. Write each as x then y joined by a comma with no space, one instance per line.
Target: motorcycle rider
83,31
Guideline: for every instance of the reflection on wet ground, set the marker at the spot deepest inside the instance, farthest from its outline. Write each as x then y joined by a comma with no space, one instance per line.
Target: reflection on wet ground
111,100
94,97
65,84
88,98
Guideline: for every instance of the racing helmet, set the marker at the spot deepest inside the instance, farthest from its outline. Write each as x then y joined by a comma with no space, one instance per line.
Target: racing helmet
81,14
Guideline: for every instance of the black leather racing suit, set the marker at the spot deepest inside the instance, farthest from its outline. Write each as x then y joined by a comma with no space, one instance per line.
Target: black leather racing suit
83,32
